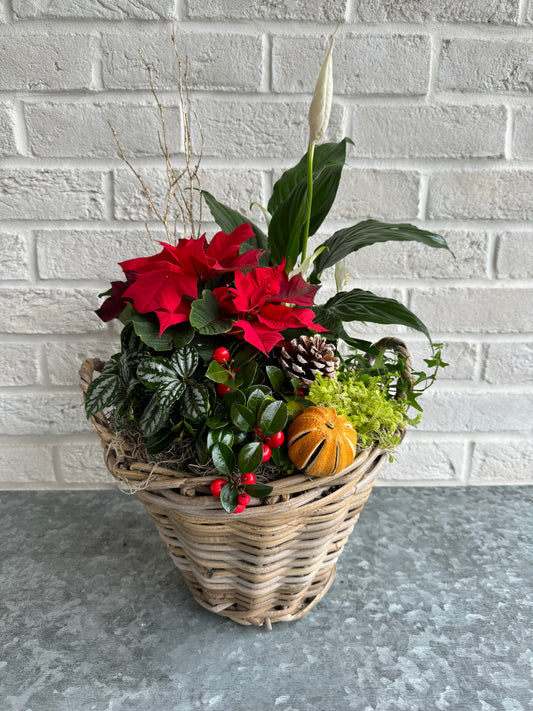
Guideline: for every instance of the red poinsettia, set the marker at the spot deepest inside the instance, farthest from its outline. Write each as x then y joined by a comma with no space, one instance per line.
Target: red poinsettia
166,283
265,302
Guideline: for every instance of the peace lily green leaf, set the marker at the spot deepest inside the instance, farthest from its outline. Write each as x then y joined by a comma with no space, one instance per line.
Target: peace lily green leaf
351,239
359,305
228,220
285,232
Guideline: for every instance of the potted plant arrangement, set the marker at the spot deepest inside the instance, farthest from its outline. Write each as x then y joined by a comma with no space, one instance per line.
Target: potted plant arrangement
247,420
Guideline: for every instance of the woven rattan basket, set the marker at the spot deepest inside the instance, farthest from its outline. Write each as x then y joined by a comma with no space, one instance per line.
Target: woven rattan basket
271,563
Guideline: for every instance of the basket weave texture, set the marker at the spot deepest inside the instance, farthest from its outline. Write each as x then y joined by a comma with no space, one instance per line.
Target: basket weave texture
274,561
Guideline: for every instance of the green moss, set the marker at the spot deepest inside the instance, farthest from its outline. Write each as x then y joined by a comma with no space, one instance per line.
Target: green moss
365,402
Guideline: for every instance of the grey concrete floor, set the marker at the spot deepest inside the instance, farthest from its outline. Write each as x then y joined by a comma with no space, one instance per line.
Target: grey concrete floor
431,609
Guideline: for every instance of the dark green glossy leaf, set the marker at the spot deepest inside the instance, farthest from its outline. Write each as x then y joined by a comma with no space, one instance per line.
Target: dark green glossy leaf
228,220
147,328
258,491
242,418
201,450
228,497
195,403
256,398
217,373
273,418
232,398
323,155
102,392
351,239
216,420
359,305
250,457
223,458
185,361
160,441
224,435
276,377
247,374
206,315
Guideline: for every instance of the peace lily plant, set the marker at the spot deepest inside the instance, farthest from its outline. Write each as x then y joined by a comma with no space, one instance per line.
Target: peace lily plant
223,345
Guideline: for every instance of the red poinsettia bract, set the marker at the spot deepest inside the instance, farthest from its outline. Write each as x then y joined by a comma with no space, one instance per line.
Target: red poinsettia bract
166,283
266,302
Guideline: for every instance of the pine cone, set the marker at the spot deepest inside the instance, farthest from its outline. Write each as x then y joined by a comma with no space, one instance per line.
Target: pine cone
308,356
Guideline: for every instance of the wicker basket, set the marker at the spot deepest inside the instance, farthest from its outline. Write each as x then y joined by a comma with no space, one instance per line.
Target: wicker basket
271,563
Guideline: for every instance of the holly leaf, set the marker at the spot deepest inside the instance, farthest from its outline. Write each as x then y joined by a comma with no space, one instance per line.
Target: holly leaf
273,418
258,491
228,497
223,458
250,457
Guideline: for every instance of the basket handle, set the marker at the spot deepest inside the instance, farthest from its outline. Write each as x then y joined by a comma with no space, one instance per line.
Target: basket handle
390,343
86,372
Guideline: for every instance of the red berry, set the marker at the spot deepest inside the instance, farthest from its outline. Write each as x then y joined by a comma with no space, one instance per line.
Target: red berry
243,499
248,478
216,487
222,389
267,453
276,440
300,392
221,355
239,509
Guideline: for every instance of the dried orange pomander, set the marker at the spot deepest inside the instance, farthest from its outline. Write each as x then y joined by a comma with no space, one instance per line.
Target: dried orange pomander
321,442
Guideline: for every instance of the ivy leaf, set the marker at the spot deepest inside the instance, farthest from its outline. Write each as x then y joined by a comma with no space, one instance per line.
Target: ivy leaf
250,457
102,392
195,403
351,239
223,458
228,497
206,315
359,305
273,418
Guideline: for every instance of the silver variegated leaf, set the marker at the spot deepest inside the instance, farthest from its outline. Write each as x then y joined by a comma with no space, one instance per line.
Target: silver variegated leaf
169,394
195,403
154,417
156,371
185,361
102,392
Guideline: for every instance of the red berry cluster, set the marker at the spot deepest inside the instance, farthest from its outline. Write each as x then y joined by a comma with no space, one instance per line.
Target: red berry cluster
243,499
221,356
269,443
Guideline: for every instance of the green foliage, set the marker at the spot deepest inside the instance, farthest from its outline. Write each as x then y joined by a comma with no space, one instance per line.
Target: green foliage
366,403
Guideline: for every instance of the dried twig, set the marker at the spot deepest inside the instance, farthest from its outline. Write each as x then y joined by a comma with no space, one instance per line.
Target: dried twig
176,194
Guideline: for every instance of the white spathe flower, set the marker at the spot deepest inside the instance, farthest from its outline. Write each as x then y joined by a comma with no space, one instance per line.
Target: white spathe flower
321,104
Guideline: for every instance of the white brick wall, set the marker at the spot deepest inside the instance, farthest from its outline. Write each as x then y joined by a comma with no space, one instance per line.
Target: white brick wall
438,99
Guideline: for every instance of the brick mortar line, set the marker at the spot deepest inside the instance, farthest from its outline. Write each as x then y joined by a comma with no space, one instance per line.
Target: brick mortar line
509,128
522,11
258,96
489,164
266,73
289,27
